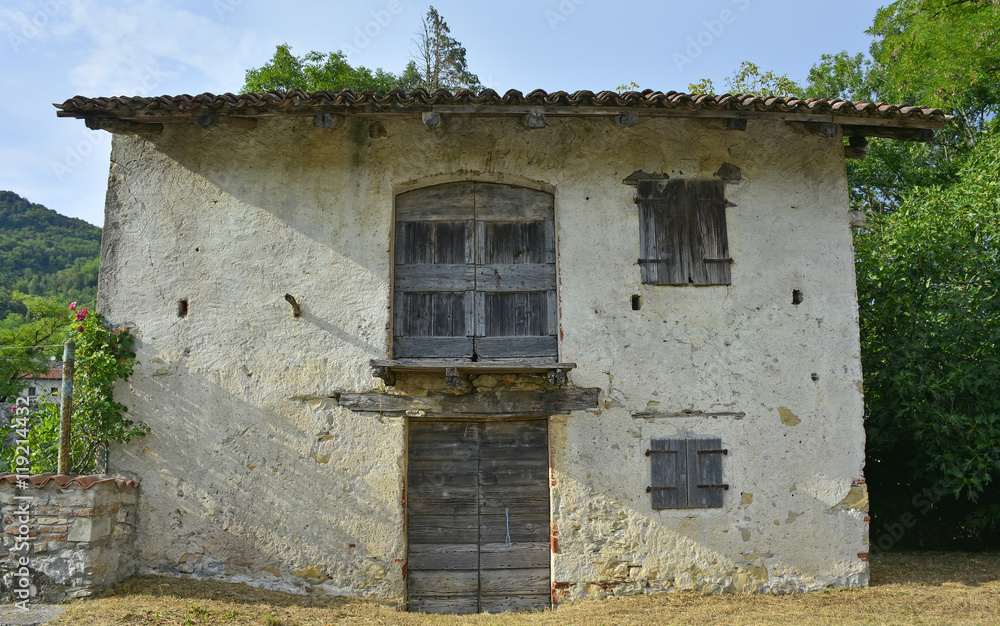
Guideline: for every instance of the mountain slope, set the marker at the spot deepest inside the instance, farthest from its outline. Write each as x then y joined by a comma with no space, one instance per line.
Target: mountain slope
44,253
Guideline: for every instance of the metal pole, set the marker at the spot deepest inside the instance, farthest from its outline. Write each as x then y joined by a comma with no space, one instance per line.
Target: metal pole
69,353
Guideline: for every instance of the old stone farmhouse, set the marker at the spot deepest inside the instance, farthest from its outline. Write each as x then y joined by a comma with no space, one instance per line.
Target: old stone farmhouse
483,352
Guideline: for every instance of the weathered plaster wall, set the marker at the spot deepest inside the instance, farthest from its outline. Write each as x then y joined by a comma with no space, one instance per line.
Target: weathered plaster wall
245,478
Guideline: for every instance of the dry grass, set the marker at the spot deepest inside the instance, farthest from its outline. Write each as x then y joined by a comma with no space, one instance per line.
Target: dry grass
925,588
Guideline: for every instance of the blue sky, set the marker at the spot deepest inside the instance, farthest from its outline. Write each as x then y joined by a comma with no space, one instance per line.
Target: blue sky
51,50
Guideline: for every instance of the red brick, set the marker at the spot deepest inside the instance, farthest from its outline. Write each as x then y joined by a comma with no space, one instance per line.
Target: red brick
46,528
52,537
863,556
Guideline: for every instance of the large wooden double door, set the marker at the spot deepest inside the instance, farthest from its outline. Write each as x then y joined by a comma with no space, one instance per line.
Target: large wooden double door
478,516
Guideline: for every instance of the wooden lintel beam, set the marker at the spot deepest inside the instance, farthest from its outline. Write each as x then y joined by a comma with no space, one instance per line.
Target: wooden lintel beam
123,127
656,414
482,404
902,134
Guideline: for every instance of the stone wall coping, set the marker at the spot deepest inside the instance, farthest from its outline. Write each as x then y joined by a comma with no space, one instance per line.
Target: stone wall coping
67,480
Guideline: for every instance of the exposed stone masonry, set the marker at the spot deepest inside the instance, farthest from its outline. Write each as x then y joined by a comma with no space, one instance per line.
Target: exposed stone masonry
78,541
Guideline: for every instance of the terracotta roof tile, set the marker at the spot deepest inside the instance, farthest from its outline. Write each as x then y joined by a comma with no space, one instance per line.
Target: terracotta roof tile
420,99
64,480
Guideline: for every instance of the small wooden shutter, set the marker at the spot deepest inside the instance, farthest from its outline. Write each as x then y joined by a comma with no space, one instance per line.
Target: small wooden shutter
705,487
683,237
475,274
668,473
686,473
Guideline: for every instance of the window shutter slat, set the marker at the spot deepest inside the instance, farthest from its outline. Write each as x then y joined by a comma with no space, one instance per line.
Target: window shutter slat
535,348
435,278
668,473
433,347
498,202
705,470
452,201
534,277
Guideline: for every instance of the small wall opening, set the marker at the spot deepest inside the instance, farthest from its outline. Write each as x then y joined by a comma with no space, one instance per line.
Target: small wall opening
796,296
182,308
636,302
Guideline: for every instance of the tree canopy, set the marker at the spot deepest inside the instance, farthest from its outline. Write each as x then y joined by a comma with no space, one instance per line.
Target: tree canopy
929,288
314,71
440,63
749,79
941,53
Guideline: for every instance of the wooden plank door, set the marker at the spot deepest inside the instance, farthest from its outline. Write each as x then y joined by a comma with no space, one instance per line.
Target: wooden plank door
478,516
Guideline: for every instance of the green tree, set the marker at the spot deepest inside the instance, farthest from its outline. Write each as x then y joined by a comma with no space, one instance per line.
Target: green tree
440,61
941,53
103,356
749,79
843,76
929,287
313,72
27,340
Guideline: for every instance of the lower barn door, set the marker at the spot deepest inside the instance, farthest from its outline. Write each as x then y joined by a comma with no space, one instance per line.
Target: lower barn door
478,516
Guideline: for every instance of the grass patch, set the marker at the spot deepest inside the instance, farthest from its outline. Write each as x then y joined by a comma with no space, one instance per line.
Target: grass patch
908,588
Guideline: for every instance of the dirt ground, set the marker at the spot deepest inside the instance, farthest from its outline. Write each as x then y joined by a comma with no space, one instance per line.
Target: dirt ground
909,588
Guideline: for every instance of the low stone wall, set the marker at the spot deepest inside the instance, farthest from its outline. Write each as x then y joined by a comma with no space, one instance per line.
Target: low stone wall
65,536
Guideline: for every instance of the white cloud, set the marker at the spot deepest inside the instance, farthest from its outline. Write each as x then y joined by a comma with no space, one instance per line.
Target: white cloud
142,48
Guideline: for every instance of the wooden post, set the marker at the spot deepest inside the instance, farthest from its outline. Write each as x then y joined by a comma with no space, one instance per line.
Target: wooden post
66,398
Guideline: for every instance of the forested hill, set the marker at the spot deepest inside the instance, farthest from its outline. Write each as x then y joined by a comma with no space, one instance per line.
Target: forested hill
44,253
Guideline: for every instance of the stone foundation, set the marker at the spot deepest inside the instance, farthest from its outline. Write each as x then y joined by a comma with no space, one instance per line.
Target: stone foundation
65,536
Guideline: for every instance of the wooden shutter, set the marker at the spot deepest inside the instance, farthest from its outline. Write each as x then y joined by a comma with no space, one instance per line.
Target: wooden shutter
434,282
704,461
668,473
475,273
515,273
686,473
683,232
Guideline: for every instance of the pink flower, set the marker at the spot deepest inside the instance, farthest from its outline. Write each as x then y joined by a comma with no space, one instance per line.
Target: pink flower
79,329
81,315
72,306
